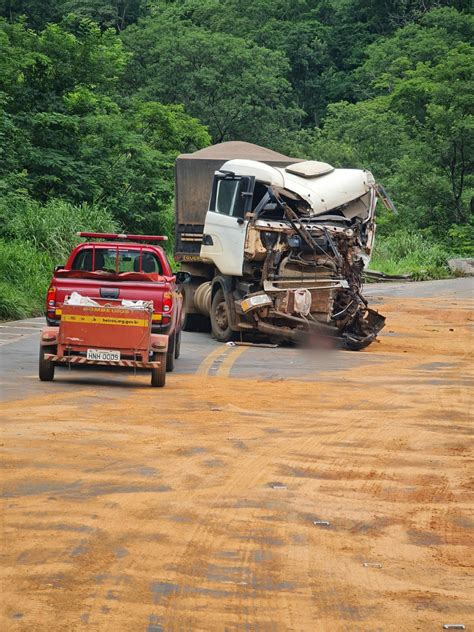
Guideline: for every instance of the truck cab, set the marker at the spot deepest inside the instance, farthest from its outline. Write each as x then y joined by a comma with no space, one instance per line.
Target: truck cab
284,245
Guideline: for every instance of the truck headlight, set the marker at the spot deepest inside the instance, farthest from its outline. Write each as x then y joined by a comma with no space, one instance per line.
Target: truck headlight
254,302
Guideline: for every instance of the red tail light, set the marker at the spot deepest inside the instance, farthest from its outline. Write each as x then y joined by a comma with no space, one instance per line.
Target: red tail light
51,298
167,302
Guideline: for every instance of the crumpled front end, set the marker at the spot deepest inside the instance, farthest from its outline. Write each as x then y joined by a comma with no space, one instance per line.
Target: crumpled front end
310,268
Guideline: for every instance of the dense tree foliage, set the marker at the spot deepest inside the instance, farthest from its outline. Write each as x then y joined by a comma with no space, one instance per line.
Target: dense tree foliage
98,97
67,133
414,126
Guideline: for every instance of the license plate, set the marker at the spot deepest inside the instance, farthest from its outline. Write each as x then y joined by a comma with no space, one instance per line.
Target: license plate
103,355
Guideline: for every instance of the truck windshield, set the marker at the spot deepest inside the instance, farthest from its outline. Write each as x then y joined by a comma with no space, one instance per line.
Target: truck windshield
117,260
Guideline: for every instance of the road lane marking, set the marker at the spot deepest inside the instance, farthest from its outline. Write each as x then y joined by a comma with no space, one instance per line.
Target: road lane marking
209,360
229,361
17,338
17,327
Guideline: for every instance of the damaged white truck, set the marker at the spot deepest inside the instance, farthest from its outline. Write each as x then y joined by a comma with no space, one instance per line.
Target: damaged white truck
274,245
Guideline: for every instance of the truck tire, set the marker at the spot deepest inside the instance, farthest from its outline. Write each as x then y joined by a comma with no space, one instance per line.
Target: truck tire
158,376
46,367
170,353
177,346
220,318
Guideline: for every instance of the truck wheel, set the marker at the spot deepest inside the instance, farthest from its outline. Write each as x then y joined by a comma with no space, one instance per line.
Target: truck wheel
177,346
158,376
46,367
170,353
220,318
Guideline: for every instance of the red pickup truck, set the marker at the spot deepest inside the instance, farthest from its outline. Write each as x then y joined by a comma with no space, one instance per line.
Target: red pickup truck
122,267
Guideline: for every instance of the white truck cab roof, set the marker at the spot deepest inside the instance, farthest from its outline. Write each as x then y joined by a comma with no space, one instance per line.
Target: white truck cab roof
319,184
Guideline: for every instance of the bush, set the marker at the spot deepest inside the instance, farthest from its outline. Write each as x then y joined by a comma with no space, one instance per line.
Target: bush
52,227
462,238
36,237
25,275
411,252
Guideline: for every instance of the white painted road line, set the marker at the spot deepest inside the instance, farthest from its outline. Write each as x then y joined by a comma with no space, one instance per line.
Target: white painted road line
18,327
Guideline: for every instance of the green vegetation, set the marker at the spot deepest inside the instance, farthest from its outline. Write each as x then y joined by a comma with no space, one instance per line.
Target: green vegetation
24,273
36,237
405,252
98,97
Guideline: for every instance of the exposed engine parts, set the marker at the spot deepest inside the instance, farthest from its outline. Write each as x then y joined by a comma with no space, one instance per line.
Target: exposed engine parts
311,275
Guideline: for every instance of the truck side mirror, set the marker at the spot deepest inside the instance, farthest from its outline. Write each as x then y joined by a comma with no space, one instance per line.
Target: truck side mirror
183,277
56,268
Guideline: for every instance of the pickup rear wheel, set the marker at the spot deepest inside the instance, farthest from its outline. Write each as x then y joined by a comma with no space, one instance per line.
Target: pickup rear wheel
46,367
220,318
170,355
158,375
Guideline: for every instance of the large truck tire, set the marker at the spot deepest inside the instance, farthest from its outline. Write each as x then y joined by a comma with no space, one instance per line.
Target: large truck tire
170,354
158,376
220,318
46,367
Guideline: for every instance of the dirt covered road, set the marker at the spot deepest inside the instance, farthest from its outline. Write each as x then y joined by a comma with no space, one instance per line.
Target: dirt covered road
338,499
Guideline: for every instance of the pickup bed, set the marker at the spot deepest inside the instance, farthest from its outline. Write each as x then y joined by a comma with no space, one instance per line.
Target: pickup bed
121,269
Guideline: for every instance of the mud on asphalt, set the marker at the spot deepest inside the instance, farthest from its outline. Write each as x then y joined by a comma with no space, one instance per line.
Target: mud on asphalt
238,498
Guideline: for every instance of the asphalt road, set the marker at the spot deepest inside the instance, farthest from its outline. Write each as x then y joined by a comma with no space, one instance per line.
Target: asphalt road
260,490
201,354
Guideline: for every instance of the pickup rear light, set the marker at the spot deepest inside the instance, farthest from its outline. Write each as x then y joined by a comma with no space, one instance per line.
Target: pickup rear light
51,298
167,302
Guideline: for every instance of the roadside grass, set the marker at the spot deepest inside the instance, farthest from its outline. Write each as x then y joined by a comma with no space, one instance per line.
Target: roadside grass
34,238
25,273
53,227
411,253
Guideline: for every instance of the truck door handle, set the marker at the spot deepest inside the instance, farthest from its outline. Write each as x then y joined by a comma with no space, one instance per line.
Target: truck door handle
207,240
109,292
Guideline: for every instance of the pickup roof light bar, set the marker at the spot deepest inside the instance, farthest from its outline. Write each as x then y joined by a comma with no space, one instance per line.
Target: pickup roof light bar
123,237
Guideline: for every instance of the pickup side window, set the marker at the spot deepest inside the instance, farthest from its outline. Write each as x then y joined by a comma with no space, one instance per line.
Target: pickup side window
121,260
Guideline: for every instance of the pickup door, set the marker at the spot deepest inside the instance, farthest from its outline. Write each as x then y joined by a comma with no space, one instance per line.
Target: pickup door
225,228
